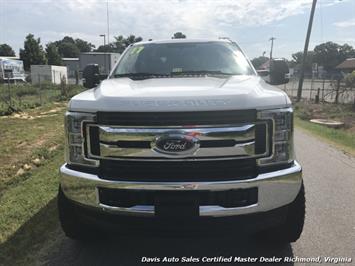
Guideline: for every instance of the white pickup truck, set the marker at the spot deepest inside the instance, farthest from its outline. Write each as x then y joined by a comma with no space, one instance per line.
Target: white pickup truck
182,136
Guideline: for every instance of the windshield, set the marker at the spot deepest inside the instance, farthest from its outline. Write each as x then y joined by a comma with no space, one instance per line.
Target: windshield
183,58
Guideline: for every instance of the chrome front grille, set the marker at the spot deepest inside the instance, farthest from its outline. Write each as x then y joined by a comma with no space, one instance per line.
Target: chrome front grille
226,141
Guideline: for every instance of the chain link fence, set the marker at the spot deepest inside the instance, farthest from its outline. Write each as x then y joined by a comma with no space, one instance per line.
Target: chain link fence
19,97
322,90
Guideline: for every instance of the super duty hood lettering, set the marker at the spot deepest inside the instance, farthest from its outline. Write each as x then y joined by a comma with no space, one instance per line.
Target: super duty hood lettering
173,103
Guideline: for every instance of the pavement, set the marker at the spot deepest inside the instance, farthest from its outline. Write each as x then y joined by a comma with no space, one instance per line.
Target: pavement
329,177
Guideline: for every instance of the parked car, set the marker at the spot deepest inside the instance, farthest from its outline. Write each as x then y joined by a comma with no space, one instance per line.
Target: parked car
182,136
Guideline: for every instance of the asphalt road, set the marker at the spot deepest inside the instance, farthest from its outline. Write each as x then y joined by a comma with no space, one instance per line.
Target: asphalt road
329,177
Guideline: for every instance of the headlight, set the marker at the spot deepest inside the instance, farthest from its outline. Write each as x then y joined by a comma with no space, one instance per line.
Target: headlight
75,153
282,136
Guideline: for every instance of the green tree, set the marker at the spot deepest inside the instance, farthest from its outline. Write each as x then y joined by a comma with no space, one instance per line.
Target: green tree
6,50
121,42
298,59
68,49
33,53
53,55
350,79
258,61
327,55
84,46
331,54
108,48
68,39
178,35
132,39
346,51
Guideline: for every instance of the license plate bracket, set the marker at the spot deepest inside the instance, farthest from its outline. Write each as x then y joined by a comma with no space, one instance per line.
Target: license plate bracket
176,206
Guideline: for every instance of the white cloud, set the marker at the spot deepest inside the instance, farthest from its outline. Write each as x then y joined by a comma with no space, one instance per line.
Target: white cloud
196,14
345,23
157,19
160,18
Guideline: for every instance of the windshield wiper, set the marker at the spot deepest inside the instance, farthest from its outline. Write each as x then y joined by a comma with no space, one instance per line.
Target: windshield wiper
140,75
203,72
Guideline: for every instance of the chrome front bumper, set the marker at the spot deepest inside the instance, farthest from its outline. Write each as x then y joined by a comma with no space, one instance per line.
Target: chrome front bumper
275,189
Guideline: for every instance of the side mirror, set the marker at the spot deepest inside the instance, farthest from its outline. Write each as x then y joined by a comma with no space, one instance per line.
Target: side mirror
92,76
279,72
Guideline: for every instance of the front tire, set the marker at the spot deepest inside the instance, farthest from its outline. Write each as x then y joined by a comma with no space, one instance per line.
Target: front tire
291,229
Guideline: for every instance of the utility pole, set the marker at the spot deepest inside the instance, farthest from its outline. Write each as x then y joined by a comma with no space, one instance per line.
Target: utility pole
272,47
108,23
305,51
104,35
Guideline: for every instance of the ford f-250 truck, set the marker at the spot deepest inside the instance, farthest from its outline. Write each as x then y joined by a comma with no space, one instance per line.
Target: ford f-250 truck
183,135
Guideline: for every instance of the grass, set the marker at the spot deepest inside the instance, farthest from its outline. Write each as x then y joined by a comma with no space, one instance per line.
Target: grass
344,112
344,140
28,137
28,214
31,152
26,96
28,201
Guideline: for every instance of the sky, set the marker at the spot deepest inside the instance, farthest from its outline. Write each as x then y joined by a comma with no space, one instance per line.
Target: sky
250,23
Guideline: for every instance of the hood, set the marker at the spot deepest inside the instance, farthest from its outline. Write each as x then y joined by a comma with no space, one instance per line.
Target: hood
180,94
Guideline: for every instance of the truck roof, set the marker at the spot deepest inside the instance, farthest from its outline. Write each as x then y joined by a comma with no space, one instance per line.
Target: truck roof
183,41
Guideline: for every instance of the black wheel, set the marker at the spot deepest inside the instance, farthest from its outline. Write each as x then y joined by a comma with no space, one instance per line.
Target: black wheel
291,230
70,221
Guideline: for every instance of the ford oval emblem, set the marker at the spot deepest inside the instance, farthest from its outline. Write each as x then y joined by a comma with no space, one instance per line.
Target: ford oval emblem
176,144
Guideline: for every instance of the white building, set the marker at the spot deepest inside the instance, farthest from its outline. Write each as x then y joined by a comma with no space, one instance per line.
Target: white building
49,74
106,61
73,66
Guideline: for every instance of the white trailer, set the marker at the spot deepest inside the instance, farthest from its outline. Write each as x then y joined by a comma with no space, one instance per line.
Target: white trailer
47,73
11,69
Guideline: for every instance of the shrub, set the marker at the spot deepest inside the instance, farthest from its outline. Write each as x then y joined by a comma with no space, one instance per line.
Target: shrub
25,90
350,79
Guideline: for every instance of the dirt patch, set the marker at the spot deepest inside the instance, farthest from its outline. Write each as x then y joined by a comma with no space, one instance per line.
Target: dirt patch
54,110
22,115
26,116
19,164
53,148
30,138
38,112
